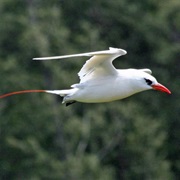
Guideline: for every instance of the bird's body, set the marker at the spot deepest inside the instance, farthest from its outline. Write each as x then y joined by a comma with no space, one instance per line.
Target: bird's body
100,81
104,89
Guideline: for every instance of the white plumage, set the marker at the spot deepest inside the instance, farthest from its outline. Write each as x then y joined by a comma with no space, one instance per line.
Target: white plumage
100,81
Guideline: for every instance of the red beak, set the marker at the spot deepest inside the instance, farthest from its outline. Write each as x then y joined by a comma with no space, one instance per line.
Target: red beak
162,88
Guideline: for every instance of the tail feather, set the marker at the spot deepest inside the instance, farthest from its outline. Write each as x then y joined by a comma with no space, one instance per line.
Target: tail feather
66,94
62,93
21,92
58,92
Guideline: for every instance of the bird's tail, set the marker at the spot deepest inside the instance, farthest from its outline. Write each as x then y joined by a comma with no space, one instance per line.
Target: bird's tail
62,93
20,92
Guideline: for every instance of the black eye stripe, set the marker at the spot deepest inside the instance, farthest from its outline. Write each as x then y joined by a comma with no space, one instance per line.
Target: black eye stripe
149,82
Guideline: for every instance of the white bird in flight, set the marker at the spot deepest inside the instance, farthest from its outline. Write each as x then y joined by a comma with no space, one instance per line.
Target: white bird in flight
101,82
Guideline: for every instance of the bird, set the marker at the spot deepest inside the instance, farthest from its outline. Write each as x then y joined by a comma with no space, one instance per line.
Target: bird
100,81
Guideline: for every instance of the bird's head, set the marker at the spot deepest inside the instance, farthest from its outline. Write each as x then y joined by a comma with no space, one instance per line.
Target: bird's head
150,82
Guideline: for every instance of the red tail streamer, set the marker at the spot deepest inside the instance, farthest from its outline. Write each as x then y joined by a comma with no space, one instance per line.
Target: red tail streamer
21,92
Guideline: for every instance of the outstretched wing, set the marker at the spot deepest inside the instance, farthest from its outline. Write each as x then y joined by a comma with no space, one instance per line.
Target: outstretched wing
98,65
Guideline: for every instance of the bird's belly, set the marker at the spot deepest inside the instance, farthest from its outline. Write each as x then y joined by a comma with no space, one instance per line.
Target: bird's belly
101,93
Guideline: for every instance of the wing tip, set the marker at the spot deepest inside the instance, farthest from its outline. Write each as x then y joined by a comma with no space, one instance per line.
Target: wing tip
118,50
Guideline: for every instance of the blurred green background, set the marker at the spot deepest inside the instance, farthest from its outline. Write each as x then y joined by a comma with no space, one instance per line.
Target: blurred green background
135,138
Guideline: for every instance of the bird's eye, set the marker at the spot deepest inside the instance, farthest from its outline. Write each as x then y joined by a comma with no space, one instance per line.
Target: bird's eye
149,82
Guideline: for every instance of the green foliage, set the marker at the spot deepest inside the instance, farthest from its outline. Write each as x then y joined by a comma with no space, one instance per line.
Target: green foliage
136,138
